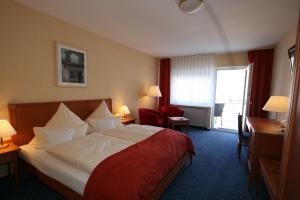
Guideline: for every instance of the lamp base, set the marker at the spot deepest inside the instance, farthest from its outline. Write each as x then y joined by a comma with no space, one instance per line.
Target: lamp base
2,146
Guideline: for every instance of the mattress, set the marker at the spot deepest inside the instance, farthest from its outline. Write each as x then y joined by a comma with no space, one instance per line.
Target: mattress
49,165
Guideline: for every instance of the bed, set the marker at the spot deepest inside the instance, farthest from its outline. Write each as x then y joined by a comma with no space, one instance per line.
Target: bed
67,180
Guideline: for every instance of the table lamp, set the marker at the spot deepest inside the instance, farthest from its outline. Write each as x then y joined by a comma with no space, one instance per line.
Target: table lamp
277,104
124,111
154,91
6,130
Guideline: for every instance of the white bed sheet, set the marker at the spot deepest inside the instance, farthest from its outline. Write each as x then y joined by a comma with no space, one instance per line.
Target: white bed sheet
66,174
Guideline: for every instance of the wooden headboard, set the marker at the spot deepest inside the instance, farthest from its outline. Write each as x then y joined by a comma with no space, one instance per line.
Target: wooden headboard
25,116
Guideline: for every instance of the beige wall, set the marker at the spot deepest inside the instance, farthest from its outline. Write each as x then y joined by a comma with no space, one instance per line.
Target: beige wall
281,76
28,62
231,59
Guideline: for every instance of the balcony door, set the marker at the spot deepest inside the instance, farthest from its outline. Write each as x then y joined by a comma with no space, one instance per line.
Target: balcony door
231,97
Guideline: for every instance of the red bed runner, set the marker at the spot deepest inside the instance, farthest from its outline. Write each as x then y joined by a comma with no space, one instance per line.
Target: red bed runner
134,172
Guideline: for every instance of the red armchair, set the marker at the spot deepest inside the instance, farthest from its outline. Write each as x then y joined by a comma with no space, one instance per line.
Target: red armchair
151,117
171,111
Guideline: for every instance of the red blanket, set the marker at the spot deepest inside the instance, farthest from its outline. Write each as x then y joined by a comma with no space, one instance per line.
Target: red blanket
136,171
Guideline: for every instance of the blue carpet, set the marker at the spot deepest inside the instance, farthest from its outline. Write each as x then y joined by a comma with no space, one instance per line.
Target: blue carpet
215,174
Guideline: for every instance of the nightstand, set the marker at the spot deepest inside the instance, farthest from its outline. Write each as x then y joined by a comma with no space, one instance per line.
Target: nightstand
128,120
9,155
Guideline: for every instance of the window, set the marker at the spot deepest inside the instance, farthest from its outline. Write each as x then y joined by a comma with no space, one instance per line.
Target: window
192,80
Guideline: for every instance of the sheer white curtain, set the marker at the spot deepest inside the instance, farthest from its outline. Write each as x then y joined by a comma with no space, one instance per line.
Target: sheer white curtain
192,80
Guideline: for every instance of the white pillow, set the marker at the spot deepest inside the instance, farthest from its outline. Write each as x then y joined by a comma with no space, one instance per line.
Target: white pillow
118,121
46,137
101,112
100,125
80,130
65,118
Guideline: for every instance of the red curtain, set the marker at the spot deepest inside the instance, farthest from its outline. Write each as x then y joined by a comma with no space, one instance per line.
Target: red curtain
164,81
262,61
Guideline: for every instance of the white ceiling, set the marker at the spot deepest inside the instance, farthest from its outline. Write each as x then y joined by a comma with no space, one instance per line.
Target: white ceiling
159,28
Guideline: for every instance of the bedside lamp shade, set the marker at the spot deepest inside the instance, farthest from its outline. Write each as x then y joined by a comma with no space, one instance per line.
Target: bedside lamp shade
277,104
6,130
154,91
124,111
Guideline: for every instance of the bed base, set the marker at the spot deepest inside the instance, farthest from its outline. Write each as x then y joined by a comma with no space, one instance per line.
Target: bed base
165,182
71,194
52,183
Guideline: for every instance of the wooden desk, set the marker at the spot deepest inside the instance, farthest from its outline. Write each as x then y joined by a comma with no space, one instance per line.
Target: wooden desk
266,142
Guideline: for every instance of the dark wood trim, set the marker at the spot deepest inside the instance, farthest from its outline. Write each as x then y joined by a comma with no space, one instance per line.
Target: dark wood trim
291,133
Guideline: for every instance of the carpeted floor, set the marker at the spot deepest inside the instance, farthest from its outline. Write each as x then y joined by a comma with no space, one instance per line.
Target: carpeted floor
215,174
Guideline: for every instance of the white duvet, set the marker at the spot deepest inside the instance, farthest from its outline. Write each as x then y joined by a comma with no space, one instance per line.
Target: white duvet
132,132
87,152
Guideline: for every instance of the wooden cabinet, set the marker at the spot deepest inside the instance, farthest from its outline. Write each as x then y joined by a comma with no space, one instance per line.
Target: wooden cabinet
128,120
9,155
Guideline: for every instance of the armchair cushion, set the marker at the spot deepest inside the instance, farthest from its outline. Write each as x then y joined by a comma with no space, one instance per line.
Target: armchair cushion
171,111
150,117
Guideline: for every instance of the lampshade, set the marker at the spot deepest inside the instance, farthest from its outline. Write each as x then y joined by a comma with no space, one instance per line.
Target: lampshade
124,110
190,6
154,91
277,104
6,129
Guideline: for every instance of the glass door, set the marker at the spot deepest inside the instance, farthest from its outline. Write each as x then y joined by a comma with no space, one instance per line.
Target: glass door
230,96
247,92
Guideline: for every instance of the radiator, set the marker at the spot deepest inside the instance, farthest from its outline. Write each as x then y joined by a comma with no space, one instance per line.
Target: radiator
198,116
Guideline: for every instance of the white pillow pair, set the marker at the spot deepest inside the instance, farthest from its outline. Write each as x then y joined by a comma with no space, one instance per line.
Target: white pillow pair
102,124
57,130
65,125
102,119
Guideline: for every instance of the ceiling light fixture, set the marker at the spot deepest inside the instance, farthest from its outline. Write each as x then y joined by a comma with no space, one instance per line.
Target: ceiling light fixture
190,6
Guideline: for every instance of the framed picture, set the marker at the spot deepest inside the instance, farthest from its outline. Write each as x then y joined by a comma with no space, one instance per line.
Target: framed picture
71,66
292,52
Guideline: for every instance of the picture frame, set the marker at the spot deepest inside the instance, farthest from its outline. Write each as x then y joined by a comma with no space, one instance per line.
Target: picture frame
291,53
71,66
